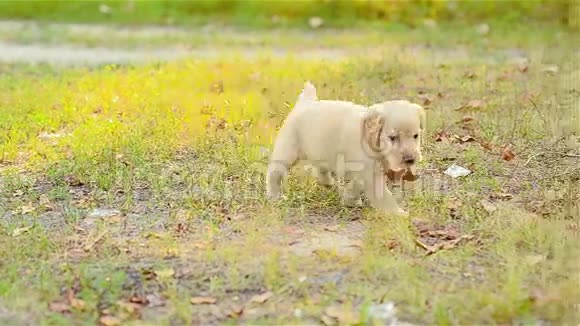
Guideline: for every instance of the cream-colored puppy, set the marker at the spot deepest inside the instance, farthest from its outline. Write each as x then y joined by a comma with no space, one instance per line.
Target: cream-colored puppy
354,142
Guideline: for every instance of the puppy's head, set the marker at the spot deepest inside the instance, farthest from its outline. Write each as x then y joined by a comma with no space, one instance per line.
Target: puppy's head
394,129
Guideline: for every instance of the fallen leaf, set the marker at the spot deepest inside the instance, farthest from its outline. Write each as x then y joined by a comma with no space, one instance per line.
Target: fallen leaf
130,307
109,321
471,105
391,244
430,249
488,206
332,228
75,302
44,200
470,74
139,300
28,208
441,136
467,138
59,307
486,145
420,226
507,154
466,119
73,181
343,316
425,99
261,298
20,231
235,312
454,203
450,234
503,195
203,300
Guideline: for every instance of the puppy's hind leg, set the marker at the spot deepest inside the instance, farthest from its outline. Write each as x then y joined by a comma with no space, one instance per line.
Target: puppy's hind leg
283,158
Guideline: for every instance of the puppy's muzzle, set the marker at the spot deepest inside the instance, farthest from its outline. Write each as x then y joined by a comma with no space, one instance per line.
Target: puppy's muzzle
409,159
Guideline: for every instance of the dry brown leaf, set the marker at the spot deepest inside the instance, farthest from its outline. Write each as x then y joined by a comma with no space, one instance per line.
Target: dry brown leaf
420,225
342,315
486,145
236,311
261,298
454,203
203,300
507,154
391,244
130,307
109,321
332,228
466,119
73,301
60,307
470,74
425,99
139,300
441,136
20,231
503,195
430,249
472,105
28,208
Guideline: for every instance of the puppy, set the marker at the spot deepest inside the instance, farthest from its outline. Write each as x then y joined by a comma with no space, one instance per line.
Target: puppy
352,141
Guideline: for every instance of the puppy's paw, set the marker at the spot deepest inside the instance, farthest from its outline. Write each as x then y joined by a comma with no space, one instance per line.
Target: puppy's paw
273,196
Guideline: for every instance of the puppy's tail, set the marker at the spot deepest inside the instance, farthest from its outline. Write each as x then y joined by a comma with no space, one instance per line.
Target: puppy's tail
308,93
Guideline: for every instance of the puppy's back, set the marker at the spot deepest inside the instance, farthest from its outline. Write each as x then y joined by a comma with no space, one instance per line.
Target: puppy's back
325,128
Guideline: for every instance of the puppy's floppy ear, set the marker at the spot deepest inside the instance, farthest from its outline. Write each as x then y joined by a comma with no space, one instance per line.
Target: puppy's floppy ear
373,124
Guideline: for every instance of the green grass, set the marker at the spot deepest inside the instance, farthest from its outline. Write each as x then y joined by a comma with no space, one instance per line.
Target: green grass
147,141
283,13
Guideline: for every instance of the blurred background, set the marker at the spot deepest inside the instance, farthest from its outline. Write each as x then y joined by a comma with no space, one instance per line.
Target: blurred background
290,13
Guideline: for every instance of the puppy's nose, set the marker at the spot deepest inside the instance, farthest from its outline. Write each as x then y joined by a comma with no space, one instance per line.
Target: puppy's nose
408,159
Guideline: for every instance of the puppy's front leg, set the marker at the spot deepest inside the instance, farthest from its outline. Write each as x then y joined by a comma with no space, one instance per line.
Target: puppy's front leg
379,194
353,189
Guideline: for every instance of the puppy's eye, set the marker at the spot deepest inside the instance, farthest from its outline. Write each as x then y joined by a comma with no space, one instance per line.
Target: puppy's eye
415,136
393,138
